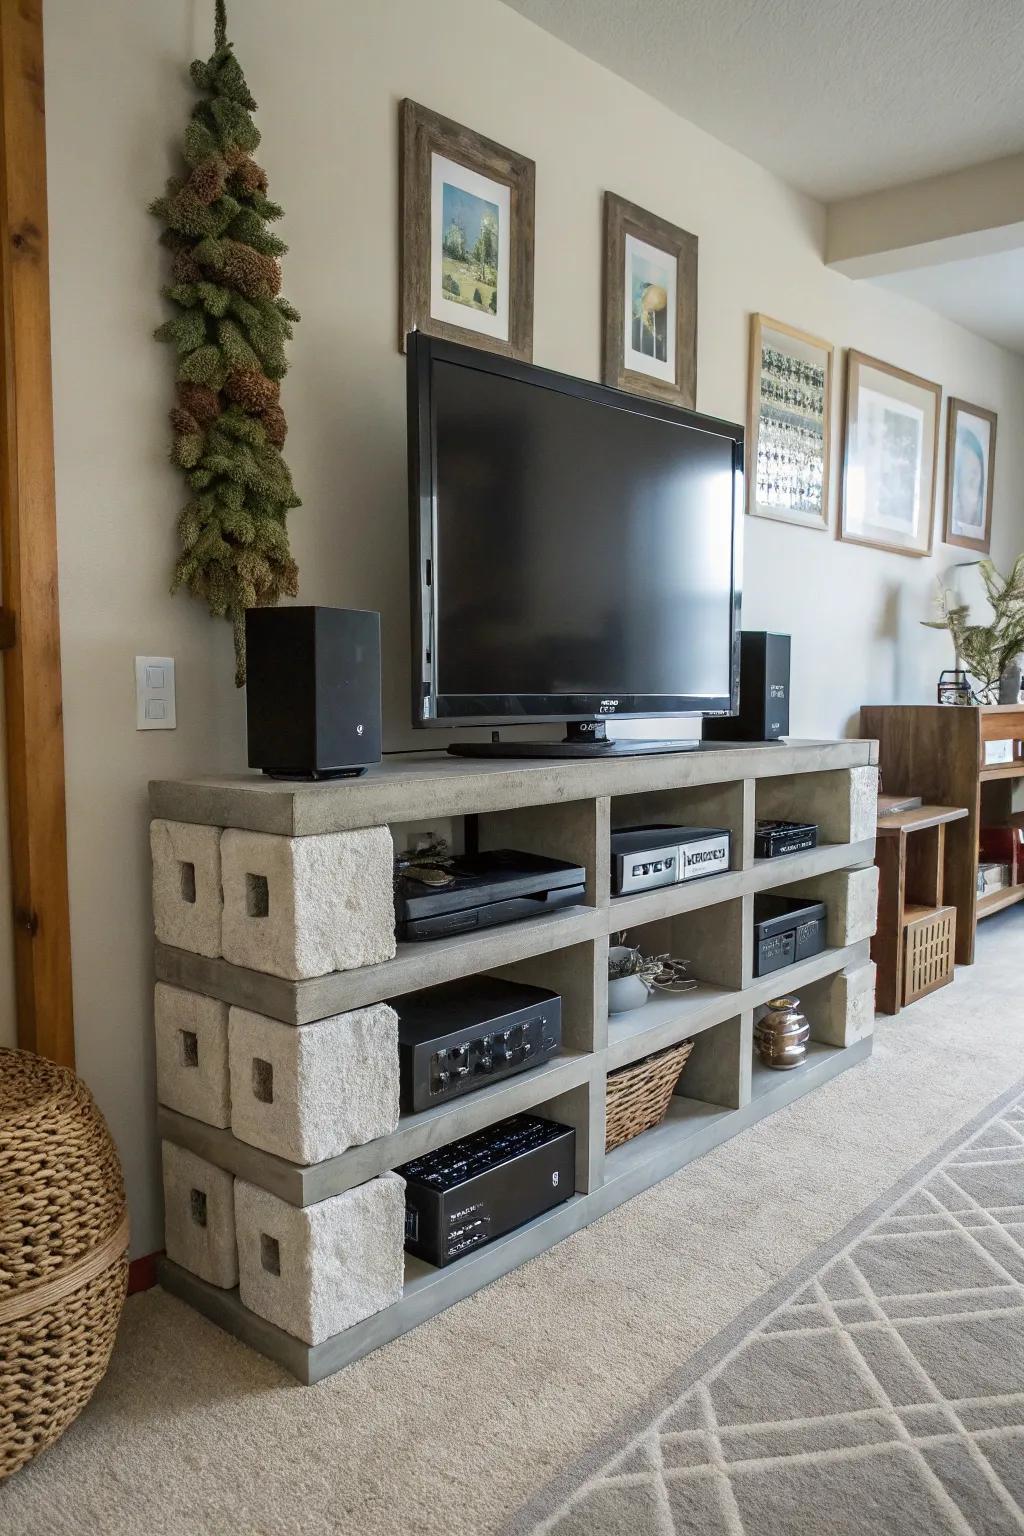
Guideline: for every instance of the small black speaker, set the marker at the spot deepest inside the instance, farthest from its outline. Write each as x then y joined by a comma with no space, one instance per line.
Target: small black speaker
764,692
312,691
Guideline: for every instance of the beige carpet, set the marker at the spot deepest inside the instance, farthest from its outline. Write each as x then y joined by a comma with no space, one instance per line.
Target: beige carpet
449,1430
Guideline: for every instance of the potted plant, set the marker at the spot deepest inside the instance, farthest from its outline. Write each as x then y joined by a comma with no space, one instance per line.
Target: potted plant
633,976
989,652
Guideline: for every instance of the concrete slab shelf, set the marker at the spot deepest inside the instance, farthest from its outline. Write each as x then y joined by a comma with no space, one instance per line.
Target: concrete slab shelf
414,966
415,1135
420,787
427,1292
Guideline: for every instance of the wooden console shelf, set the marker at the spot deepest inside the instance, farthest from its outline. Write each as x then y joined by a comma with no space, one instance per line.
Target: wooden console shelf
938,751
568,809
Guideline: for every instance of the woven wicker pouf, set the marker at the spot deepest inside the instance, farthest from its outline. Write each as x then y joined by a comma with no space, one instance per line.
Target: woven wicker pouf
63,1252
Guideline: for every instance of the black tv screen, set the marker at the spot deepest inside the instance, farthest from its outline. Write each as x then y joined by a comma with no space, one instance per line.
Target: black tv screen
576,547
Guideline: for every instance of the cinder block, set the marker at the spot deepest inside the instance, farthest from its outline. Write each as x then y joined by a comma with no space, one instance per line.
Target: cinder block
315,1270
186,885
199,1216
308,1092
843,802
851,896
850,1014
302,906
192,1054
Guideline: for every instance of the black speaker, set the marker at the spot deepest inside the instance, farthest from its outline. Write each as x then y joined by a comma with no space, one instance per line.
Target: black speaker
764,692
312,691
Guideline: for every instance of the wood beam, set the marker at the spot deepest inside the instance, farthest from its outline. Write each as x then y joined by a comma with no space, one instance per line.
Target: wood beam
28,552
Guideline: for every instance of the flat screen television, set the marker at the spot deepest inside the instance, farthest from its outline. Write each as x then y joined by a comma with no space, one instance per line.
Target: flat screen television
575,550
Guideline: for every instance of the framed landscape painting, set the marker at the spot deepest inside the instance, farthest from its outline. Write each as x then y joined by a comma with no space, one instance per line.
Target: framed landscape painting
890,457
790,423
650,304
466,254
970,466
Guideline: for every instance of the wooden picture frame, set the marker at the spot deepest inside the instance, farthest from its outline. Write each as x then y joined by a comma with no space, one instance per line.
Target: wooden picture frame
638,242
487,192
970,473
890,457
796,433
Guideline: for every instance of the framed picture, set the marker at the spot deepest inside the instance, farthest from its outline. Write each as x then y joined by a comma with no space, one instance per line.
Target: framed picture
466,245
650,304
970,466
890,457
789,424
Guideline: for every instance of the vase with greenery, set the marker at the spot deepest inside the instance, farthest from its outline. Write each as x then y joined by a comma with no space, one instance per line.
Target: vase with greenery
988,652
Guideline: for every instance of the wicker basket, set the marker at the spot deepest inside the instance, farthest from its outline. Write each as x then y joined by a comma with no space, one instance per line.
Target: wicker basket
63,1252
638,1096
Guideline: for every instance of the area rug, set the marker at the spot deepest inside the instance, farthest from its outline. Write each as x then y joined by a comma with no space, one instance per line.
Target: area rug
878,1389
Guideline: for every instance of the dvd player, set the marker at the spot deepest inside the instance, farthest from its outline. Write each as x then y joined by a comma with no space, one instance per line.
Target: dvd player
467,1033
644,858
501,886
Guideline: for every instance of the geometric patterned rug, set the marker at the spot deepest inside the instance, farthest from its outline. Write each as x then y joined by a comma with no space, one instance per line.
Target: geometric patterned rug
877,1391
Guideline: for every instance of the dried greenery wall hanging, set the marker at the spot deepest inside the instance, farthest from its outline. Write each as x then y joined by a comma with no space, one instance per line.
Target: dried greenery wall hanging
229,329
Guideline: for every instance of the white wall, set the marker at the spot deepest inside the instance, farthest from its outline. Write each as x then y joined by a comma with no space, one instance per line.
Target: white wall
329,78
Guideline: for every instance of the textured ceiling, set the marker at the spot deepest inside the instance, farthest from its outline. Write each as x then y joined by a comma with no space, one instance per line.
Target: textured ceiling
836,96
985,294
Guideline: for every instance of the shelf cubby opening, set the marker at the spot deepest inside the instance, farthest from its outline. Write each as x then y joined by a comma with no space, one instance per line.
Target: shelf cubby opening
579,974
698,805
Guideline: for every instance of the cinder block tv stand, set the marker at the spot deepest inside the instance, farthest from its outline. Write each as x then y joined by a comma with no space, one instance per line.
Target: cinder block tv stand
565,809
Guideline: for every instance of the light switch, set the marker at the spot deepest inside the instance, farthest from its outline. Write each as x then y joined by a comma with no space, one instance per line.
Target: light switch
154,693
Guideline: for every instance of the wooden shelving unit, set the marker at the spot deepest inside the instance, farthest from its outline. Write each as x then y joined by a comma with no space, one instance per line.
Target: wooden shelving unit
938,751
566,809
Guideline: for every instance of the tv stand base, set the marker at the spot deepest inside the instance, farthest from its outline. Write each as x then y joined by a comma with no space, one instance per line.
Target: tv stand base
583,738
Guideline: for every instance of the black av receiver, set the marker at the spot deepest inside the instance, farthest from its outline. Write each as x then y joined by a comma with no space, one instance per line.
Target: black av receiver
466,1194
464,1034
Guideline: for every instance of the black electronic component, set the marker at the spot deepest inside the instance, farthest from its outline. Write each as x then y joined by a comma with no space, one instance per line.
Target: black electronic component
786,929
467,1033
772,839
500,886
764,691
312,691
474,1190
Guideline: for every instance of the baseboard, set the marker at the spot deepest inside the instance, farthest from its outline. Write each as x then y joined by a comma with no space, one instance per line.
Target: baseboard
142,1272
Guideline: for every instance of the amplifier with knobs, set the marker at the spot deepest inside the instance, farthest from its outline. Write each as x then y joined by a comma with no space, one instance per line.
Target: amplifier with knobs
465,1034
467,1194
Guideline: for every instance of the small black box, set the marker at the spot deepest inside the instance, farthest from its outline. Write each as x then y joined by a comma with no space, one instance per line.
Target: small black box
312,691
773,839
479,1188
764,692
786,929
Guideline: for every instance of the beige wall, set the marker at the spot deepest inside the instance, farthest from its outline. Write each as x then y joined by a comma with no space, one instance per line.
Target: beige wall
328,77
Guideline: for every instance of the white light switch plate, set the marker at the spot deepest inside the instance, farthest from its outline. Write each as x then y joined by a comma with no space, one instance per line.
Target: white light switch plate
154,693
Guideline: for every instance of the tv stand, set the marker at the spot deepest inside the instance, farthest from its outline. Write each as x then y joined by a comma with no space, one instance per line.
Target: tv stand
583,738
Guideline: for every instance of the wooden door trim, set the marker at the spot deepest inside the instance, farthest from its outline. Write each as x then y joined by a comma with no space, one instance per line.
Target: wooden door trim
28,552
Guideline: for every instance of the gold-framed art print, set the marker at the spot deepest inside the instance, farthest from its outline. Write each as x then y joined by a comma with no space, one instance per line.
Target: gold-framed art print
890,457
789,424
